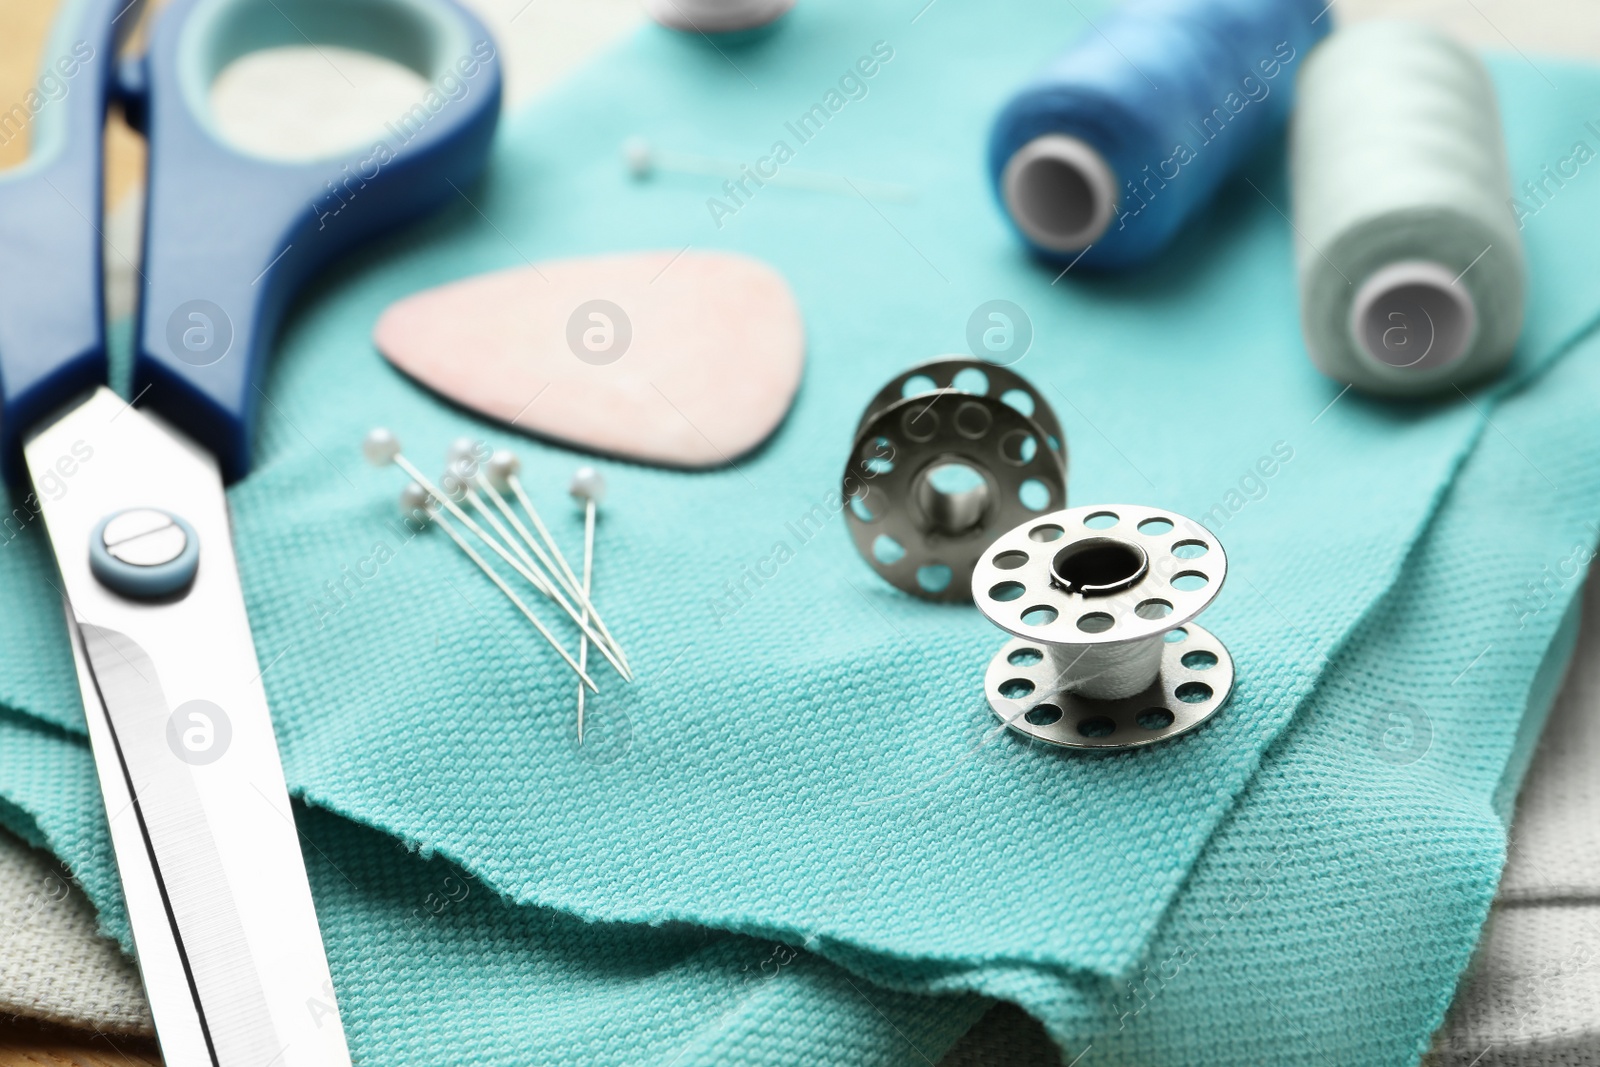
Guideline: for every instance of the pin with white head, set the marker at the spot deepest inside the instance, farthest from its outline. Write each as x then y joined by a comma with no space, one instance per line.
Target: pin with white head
460,485
462,477
588,488
638,157
414,499
644,160
502,473
466,480
382,447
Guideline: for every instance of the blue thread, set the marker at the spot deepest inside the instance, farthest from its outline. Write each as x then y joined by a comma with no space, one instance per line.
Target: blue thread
1172,94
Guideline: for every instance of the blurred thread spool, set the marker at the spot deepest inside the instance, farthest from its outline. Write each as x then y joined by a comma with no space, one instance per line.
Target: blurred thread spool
946,455
1126,135
1102,601
716,16
1411,267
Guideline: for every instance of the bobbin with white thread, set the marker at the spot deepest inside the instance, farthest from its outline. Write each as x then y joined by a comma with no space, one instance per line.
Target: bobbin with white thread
1101,600
922,537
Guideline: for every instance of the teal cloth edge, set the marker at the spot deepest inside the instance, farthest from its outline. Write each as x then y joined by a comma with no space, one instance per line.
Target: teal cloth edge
513,985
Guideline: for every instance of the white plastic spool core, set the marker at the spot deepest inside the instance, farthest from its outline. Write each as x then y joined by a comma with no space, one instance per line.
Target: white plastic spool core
715,16
1060,191
1413,316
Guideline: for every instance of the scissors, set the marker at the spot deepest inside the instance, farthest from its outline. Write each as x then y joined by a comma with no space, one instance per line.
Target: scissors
131,494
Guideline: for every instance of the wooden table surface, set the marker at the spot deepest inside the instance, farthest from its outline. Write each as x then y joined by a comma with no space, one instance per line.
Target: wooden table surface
27,1044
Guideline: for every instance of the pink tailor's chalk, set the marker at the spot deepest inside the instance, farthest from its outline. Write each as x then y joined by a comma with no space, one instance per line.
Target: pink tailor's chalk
682,359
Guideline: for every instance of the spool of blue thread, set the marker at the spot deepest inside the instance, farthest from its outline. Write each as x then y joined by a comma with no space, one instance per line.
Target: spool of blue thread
1122,138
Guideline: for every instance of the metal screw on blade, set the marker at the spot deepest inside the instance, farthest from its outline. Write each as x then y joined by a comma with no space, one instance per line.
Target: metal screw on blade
415,500
502,474
588,488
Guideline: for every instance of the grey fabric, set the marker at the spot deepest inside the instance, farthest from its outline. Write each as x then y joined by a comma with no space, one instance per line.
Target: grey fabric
1532,995
53,965
1555,840
1532,998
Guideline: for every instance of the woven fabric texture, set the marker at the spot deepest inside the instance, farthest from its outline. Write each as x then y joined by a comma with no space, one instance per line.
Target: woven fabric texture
807,758
1531,997
427,958
54,965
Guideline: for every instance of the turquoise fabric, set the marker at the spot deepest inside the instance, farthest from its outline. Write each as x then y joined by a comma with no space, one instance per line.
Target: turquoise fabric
814,765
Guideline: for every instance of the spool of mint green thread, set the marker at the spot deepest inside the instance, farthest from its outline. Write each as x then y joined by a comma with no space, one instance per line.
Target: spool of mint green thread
1411,267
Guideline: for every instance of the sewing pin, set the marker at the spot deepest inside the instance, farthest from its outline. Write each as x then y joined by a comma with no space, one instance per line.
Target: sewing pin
588,487
643,160
381,448
413,499
503,470
457,482
464,466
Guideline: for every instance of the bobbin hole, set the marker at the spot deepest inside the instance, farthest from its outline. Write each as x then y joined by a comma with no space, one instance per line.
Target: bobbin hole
877,456
1098,726
1015,688
1020,400
1043,714
1413,316
1155,718
1060,192
953,496
1019,447
1098,566
971,380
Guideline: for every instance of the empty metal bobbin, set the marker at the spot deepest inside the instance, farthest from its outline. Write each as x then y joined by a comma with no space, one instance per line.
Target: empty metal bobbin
1101,600
932,477
971,376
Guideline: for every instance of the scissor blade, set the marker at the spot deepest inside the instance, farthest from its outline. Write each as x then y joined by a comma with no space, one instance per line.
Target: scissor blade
182,848
166,982
185,729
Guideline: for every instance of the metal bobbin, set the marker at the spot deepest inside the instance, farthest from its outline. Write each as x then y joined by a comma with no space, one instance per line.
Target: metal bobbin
1101,600
909,523
977,377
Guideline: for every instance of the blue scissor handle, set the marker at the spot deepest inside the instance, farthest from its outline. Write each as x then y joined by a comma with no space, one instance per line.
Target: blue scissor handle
52,330
230,238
